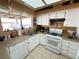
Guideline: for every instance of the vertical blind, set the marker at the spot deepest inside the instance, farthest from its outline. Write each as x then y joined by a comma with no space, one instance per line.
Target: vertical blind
10,24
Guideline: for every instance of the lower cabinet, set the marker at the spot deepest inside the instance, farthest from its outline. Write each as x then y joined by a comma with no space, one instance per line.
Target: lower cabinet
33,42
20,50
17,51
42,39
69,48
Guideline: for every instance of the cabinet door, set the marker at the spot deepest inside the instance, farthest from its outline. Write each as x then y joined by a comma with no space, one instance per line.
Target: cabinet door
64,47
33,42
18,50
45,19
37,41
72,18
52,15
42,39
69,48
72,49
38,20
61,14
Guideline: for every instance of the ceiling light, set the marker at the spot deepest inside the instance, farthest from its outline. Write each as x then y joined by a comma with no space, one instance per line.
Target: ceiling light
34,3
51,1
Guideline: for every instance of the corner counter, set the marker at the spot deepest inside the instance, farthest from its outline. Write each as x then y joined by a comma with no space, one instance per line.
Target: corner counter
5,45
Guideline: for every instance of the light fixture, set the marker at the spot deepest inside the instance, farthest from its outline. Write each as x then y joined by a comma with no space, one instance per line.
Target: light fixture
10,9
34,3
39,3
51,1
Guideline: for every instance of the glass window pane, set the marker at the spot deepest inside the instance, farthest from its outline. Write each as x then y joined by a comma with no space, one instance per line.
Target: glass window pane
51,1
34,3
7,26
27,22
8,20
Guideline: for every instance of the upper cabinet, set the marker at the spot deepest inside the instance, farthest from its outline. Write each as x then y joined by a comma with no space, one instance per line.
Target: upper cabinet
61,14
57,14
38,19
45,19
42,19
52,15
72,18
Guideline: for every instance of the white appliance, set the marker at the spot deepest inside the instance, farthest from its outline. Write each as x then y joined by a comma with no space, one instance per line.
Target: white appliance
77,55
53,42
55,30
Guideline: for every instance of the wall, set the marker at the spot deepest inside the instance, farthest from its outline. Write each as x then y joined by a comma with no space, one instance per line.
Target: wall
59,7
17,6
22,9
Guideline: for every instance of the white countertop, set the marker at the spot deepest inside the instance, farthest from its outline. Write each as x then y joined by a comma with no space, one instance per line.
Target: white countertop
4,45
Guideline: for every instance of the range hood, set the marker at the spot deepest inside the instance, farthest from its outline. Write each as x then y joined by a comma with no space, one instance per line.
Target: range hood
57,19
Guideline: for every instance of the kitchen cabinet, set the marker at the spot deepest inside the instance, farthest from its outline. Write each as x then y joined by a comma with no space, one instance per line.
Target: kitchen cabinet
45,19
61,14
72,18
42,39
58,14
42,19
18,51
52,15
38,19
33,42
69,48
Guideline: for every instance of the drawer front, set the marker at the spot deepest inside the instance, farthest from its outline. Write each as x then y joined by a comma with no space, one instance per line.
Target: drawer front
73,48
65,41
74,43
64,52
72,51
65,45
64,48
71,54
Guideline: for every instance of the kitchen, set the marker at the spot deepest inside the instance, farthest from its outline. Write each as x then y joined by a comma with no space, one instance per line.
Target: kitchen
43,30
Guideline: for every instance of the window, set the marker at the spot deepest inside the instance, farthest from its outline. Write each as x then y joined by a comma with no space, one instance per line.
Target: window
39,3
9,24
34,3
51,1
27,22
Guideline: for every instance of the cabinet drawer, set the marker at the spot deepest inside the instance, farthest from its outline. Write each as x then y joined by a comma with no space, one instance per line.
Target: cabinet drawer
72,48
65,42
65,45
64,52
74,44
72,51
71,54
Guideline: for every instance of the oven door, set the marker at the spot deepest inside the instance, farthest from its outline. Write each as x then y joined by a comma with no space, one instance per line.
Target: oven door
53,43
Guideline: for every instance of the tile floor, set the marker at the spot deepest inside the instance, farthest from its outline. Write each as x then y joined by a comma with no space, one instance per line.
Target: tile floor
41,53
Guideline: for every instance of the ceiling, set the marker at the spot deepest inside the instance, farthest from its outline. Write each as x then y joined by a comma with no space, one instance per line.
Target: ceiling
39,4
